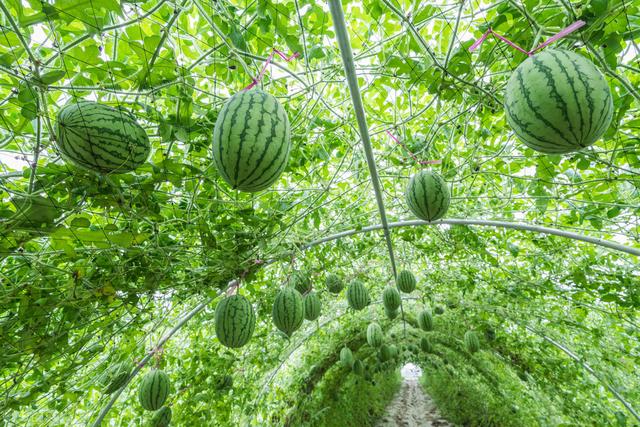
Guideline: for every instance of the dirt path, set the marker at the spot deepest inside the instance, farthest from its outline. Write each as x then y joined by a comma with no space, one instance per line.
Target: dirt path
412,408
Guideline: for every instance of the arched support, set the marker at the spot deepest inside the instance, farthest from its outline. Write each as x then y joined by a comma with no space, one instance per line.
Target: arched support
485,223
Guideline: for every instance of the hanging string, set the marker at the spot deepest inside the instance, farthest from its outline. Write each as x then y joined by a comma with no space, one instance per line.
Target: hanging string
571,28
266,64
413,156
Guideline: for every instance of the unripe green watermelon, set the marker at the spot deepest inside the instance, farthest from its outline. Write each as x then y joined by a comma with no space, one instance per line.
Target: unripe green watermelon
116,376
312,306
439,309
425,345
385,353
471,341
288,311
301,281
101,138
557,101
425,320
154,389
391,314
346,357
161,418
391,298
393,349
357,295
223,382
235,321
251,140
374,335
406,281
358,367
428,196
334,283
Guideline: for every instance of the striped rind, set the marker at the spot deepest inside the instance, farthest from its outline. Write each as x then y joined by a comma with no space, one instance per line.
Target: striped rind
357,295
374,335
251,140
358,367
346,357
385,353
425,320
116,377
235,321
425,345
301,281
312,306
101,138
428,196
391,298
406,281
154,389
471,341
557,102
334,283
288,310
161,418
391,314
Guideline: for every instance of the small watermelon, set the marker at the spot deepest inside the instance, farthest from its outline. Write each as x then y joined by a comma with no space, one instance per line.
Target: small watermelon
357,295
385,353
471,342
425,345
334,283
101,138
161,418
346,357
312,306
391,314
557,102
116,376
428,196
391,298
251,140
235,321
425,320
374,335
288,311
301,281
154,389
406,281
358,367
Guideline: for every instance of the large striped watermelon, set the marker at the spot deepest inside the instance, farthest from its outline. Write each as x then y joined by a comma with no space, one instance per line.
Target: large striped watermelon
471,341
357,295
101,138
116,376
391,298
557,101
428,196
334,283
161,418
235,321
374,335
312,306
251,140
288,311
406,281
154,389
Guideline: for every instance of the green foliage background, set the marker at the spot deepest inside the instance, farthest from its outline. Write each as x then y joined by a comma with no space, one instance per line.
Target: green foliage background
95,269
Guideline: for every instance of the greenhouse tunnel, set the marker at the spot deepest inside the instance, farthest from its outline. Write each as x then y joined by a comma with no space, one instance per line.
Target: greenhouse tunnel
302,213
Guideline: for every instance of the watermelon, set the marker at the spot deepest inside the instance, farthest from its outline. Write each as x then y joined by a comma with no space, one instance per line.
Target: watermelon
235,321
557,102
312,306
251,140
393,350
391,314
374,335
334,283
391,298
406,281
101,138
116,376
358,367
288,311
223,382
154,389
471,341
425,320
425,345
161,418
301,281
346,357
428,196
385,353
439,309
358,295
